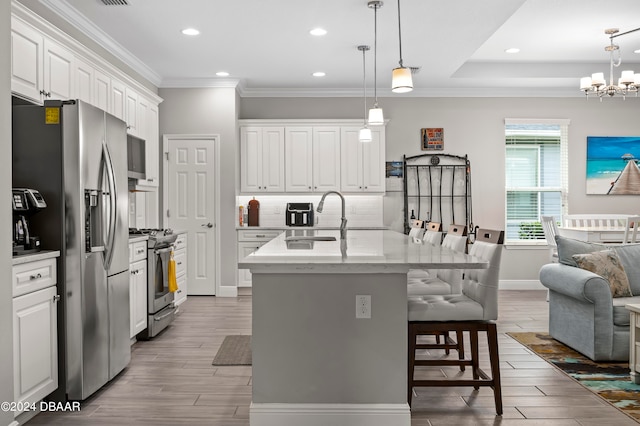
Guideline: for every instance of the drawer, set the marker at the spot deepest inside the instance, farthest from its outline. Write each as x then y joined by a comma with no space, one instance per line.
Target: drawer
181,262
181,242
32,276
138,251
257,235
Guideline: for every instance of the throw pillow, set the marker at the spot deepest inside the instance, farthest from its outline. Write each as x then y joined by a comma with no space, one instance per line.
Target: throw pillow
567,247
606,264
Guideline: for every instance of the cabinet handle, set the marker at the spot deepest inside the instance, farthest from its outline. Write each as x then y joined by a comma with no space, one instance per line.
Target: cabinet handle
140,251
43,93
179,263
56,298
366,187
151,180
36,276
260,235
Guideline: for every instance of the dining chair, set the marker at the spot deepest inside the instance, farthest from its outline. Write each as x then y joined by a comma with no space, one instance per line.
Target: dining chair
631,230
475,310
550,229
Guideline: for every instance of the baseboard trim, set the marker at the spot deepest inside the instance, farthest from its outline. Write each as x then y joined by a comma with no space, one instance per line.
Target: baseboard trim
271,414
521,285
227,291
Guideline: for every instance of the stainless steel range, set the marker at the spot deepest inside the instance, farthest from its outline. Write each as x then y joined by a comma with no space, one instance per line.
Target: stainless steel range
160,308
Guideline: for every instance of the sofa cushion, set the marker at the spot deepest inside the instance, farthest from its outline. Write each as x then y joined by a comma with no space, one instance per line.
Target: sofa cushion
606,264
567,247
629,255
620,312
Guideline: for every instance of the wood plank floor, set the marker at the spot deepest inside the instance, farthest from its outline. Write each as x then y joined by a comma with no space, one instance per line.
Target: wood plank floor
170,380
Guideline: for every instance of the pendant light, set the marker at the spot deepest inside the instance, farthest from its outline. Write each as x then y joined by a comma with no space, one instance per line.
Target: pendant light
401,81
376,117
364,135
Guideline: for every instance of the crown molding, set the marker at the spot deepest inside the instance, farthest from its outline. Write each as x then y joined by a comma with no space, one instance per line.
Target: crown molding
67,12
200,82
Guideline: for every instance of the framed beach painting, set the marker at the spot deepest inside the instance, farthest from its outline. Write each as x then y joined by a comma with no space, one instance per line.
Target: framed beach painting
612,165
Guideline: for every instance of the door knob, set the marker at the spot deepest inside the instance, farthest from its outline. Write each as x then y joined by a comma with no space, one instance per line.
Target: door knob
208,225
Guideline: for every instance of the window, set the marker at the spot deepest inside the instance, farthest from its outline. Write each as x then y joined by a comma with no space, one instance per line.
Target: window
536,176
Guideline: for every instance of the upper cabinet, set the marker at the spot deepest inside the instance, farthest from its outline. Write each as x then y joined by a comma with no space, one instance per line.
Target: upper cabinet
43,68
316,156
262,159
362,163
312,159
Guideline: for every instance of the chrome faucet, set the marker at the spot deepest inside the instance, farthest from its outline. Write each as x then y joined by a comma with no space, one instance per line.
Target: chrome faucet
343,223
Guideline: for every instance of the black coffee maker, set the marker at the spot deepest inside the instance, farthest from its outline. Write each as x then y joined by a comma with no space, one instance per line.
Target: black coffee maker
25,202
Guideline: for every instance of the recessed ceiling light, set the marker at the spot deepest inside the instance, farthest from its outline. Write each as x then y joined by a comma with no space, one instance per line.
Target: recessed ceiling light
190,31
512,50
636,51
318,32
318,74
222,74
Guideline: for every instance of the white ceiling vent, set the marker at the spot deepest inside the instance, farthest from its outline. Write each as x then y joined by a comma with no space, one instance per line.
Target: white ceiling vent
115,2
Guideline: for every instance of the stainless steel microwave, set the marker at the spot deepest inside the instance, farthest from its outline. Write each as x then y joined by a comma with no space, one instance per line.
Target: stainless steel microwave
136,157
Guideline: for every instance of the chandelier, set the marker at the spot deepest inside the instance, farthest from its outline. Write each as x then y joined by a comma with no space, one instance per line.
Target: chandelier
629,82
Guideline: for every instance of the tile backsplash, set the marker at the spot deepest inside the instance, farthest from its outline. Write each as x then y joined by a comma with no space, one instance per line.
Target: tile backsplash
361,210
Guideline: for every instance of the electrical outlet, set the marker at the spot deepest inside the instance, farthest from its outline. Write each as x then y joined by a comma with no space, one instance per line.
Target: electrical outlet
363,306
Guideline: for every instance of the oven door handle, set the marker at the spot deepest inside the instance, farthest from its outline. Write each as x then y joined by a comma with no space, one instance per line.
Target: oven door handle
165,315
163,250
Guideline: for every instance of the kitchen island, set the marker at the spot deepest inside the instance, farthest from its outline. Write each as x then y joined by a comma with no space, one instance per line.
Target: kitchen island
319,356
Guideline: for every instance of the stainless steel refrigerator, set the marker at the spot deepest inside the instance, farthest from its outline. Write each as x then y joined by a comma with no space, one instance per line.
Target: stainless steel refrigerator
76,156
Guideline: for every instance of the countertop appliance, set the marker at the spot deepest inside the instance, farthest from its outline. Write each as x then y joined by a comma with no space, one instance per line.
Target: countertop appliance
160,308
25,202
76,155
299,214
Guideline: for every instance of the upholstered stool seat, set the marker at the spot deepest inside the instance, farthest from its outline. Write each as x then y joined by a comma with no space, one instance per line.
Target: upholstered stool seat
472,311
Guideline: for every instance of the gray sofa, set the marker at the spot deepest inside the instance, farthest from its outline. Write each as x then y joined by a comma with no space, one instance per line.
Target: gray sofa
582,313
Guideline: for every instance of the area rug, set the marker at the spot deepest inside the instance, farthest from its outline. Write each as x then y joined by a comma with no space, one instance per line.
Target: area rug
609,380
235,350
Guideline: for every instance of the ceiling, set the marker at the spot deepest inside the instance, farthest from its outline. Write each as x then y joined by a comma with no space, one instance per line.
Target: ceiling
458,45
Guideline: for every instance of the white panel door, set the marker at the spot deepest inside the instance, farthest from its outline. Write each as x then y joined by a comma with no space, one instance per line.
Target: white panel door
118,99
326,159
298,159
273,159
250,159
58,71
131,111
26,60
102,90
373,163
191,204
84,79
350,160
35,350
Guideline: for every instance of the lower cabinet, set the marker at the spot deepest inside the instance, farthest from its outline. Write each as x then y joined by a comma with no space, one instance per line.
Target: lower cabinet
137,287
248,242
35,350
180,256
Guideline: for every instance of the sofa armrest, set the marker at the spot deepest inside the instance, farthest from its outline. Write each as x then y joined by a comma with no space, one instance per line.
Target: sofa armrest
577,283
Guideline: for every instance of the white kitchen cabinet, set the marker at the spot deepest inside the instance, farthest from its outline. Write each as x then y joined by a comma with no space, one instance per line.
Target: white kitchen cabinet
138,287
180,256
118,99
102,90
362,167
35,331
312,159
262,159
248,242
27,58
148,130
58,72
84,76
131,111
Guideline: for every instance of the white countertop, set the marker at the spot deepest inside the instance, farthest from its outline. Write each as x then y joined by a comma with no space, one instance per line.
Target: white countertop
32,257
322,228
137,238
366,251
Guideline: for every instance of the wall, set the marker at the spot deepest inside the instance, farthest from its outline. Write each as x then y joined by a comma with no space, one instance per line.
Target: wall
475,127
6,309
210,111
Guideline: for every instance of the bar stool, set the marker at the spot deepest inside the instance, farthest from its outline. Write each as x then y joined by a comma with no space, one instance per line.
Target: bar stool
475,310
